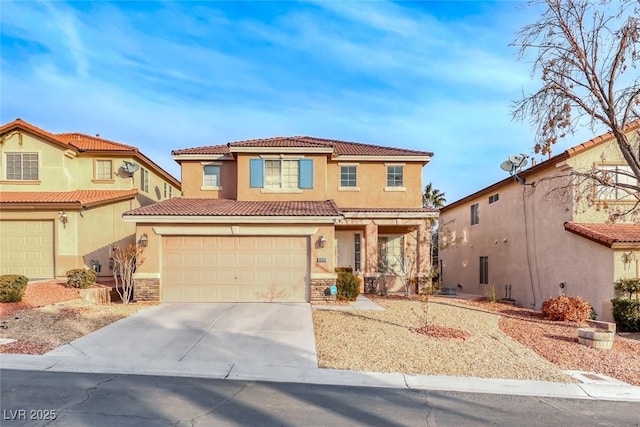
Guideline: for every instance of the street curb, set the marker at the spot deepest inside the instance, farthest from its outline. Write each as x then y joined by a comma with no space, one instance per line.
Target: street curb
319,376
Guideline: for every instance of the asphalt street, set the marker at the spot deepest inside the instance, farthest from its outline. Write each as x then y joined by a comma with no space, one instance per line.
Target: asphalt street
36,398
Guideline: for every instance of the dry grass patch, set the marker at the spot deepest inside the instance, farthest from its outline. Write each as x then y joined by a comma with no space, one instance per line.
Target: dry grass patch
384,341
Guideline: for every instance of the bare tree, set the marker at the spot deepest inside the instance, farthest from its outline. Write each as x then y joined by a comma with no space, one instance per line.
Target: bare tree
125,262
586,54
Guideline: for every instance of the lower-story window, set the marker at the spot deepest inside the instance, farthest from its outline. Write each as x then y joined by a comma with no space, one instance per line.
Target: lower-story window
391,252
484,270
357,252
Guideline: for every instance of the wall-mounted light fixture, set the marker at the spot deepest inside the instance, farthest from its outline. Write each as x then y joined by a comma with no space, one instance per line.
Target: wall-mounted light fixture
63,218
322,241
144,240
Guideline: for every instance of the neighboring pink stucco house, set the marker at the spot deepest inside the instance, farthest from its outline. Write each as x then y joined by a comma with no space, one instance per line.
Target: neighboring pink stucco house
510,234
271,219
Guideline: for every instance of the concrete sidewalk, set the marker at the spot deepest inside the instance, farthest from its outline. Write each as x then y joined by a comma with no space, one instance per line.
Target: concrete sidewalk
231,371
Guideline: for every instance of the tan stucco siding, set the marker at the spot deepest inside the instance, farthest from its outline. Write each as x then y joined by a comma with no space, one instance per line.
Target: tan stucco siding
318,192
54,170
371,190
605,154
192,177
95,242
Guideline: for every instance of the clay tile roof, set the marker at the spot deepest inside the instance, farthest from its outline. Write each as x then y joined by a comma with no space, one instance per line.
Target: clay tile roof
227,207
25,125
211,149
80,197
606,234
340,148
93,143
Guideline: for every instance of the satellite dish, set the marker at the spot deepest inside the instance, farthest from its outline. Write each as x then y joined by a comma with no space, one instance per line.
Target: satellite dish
506,166
519,161
130,167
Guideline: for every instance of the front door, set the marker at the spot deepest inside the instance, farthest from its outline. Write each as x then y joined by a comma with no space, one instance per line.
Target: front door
345,249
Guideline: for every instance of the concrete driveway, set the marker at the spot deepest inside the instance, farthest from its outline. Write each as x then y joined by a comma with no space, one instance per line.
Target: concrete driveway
276,334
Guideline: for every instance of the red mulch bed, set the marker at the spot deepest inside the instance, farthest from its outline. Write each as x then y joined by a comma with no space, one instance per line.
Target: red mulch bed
40,294
435,331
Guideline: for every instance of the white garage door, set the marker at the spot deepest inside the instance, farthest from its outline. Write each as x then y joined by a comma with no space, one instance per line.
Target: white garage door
26,247
234,269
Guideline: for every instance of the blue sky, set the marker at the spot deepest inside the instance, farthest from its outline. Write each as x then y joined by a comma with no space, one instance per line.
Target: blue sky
434,76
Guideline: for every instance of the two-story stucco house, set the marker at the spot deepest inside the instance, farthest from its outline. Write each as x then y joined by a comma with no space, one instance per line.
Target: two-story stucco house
62,197
271,219
532,244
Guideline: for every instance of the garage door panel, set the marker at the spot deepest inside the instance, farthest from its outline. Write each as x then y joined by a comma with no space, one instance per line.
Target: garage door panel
26,247
234,268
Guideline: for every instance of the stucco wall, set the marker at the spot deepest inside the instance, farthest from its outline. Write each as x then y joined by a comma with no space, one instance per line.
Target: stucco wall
60,169
370,192
523,235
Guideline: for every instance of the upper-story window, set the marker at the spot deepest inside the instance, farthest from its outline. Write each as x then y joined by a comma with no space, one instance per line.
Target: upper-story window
211,176
144,180
475,214
395,176
103,170
494,198
616,175
22,167
348,177
282,175
167,190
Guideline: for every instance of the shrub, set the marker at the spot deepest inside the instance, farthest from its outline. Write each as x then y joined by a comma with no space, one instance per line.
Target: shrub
628,286
491,294
12,287
81,278
573,309
348,286
626,313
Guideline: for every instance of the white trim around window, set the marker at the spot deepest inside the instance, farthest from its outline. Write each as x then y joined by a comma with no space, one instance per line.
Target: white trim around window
212,181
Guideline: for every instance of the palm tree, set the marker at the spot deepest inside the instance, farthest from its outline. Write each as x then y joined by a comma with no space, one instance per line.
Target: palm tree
432,197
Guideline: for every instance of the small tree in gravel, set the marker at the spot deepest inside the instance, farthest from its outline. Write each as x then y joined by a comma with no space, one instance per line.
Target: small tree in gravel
125,262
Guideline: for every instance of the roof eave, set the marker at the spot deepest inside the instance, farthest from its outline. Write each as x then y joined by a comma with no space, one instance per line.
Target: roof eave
400,215
248,219
377,158
208,157
278,150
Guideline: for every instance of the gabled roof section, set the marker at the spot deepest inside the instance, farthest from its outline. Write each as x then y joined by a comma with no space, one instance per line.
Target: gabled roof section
552,161
185,207
609,235
68,199
93,143
304,143
19,124
81,143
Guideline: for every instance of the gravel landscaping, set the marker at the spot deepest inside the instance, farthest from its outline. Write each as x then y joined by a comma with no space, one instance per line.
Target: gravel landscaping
39,325
503,342
463,338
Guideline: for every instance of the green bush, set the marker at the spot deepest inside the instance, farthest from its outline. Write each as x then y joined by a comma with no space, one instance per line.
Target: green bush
626,313
348,286
12,287
81,278
573,309
628,286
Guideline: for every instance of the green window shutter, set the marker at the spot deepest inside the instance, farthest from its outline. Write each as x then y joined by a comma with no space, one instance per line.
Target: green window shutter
256,173
306,173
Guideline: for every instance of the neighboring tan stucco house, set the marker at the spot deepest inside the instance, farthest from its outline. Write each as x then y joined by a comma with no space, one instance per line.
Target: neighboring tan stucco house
62,197
541,244
271,219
